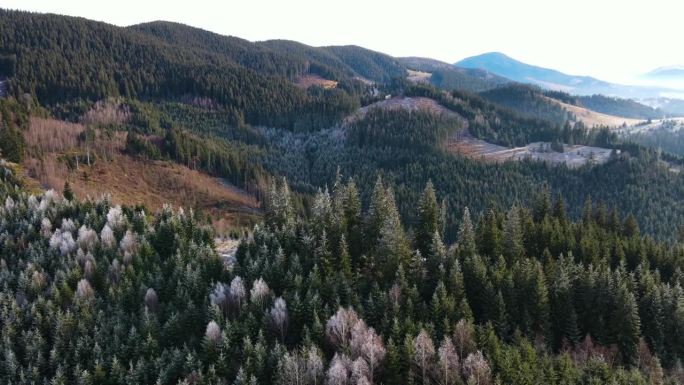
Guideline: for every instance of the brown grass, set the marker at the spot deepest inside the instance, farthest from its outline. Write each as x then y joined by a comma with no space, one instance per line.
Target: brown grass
592,118
307,81
107,113
129,180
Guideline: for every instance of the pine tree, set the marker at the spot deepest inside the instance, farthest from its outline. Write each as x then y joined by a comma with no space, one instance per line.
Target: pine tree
67,193
489,235
352,219
466,236
428,219
542,207
378,211
625,324
513,236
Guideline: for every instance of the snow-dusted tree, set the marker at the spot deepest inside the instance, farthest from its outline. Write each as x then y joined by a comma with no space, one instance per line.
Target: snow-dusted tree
339,327
84,290
45,228
213,333
151,299
447,362
259,292
115,218
321,210
62,241
68,225
107,236
338,371
513,236
466,235
476,369
89,267
9,204
423,353
87,238
128,243
237,293
279,317
219,297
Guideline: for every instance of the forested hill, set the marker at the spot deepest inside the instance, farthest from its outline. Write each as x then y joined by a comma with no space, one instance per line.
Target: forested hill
280,57
61,60
92,293
204,100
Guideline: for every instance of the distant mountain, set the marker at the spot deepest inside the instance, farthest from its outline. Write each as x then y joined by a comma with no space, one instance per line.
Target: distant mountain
667,72
503,65
671,77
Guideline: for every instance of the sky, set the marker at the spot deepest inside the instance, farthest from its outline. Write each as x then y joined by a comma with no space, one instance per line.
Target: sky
608,39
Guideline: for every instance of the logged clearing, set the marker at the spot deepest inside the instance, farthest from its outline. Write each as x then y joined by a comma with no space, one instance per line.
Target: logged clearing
571,156
408,104
592,118
54,154
307,81
418,76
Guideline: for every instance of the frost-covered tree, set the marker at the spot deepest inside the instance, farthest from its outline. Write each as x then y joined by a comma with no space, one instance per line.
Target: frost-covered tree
115,218
423,354
339,327
259,292
107,236
338,371
84,290
476,369
466,235
213,333
87,238
237,293
279,317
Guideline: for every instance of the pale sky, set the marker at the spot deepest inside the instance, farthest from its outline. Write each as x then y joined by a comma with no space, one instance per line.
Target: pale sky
609,39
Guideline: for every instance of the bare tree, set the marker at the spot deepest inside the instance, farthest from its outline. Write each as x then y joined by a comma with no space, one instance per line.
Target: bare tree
292,369
237,292
360,370
338,372
303,367
314,366
371,349
476,369
423,353
464,338
151,299
219,297
447,362
279,317
339,327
